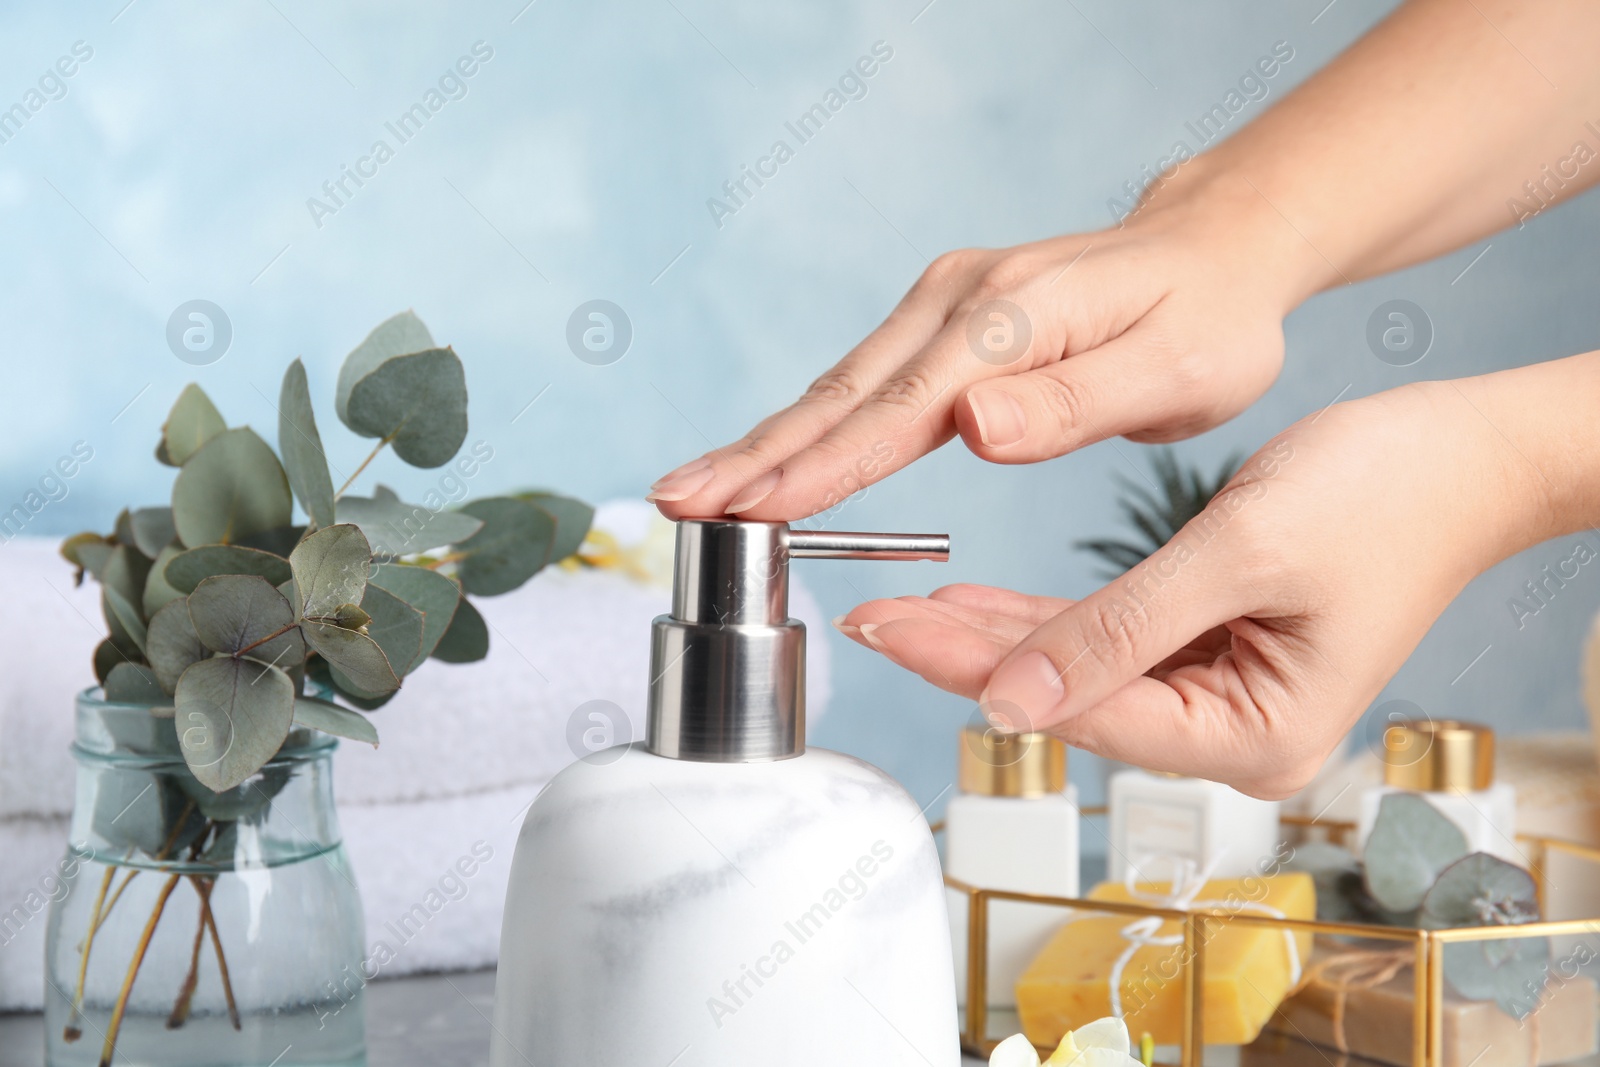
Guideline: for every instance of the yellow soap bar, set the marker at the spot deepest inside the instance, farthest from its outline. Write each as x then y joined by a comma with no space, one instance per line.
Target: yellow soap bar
1247,966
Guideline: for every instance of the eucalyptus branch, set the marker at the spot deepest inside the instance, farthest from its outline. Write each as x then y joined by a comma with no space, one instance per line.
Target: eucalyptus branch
209,918
121,1007
72,1031
383,443
257,644
228,531
180,1009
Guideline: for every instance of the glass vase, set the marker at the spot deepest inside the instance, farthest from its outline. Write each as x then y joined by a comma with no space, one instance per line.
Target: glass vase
201,927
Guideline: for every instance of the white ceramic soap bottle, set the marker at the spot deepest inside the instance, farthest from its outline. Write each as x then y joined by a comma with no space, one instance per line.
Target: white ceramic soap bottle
720,895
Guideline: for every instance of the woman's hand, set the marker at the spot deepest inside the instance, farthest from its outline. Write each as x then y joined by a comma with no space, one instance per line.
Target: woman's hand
1155,331
1246,648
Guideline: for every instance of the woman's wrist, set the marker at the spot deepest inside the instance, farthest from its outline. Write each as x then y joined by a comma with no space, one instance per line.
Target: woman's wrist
1215,205
1508,460
1545,421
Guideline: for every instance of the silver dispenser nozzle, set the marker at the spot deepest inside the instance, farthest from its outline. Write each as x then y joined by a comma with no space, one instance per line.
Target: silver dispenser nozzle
727,666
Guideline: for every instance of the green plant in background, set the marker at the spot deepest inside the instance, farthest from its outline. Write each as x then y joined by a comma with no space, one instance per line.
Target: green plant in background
1416,871
1185,492
221,608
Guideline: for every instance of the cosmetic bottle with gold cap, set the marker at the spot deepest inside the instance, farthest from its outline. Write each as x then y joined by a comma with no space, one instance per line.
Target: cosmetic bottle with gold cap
1163,825
1013,824
1450,764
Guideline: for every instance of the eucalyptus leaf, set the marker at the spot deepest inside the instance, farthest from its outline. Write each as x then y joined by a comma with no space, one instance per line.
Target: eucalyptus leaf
89,552
219,853
146,813
232,715
123,619
172,645
398,529
118,634
321,673
126,571
467,639
122,529
417,403
107,656
1410,843
279,540
133,683
231,488
194,420
1509,971
397,628
512,547
239,613
330,718
188,569
301,446
430,593
572,518
1481,890
246,802
1336,874
158,592
355,655
398,335
153,530
330,569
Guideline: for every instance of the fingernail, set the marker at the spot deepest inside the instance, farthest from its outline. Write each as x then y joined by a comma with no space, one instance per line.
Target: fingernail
867,630
1023,695
677,472
845,628
683,486
756,491
1000,418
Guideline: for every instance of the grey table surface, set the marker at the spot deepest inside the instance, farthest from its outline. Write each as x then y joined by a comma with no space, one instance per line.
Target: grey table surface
438,1020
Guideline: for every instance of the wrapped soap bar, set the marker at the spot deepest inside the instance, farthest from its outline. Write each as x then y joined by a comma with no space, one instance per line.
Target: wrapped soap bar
1357,1003
1249,968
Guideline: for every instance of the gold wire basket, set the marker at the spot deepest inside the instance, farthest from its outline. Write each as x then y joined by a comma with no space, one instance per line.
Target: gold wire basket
1426,948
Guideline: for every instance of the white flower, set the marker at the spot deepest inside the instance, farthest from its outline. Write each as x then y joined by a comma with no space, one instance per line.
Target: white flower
1102,1043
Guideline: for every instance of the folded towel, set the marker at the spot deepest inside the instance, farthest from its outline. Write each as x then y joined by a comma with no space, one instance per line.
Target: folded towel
465,748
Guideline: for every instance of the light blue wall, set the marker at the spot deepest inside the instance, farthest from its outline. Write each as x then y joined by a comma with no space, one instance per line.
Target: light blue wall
578,165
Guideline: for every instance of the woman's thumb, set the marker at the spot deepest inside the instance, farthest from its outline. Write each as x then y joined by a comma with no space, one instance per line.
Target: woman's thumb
1102,643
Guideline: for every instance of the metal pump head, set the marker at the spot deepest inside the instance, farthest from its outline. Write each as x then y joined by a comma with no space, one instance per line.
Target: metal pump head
727,666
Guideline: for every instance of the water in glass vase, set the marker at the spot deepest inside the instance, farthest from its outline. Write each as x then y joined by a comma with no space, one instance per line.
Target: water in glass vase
296,999
200,928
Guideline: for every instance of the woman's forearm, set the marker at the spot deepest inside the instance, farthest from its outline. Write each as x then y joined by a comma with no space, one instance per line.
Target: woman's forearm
1451,120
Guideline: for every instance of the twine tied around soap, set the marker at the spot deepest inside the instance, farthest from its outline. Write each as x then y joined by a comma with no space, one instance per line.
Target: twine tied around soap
1352,970
1359,969
1187,882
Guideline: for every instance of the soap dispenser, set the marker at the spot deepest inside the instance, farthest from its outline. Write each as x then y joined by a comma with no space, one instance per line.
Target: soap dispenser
720,895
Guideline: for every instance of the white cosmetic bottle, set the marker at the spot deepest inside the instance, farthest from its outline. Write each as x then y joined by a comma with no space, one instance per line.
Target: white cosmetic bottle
1162,824
1449,764
720,895
1013,825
